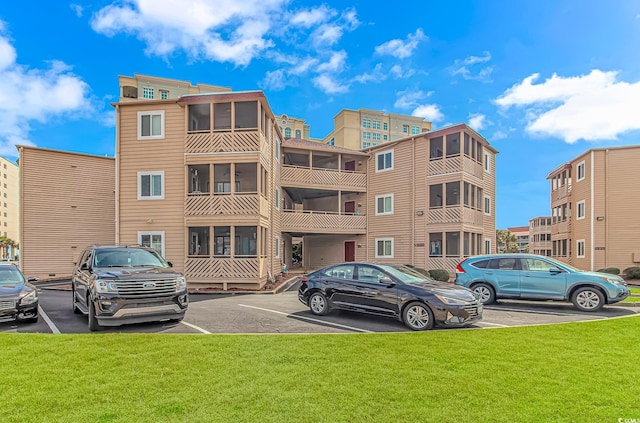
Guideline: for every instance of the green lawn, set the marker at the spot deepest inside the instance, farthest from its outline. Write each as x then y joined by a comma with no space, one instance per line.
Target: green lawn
634,290
582,372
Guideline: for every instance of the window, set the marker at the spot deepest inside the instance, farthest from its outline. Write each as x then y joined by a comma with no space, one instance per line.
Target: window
405,129
376,124
487,246
370,274
415,130
435,148
199,117
151,185
147,93
487,205
151,125
435,196
580,171
453,244
453,193
376,136
453,145
277,198
385,137
365,144
222,241
435,244
332,141
199,241
246,116
580,248
277,247
581,210
245,241
385,126
536,265
153,239
366,123
384,247
164,94
342,271
487,163
222,116
287,132
366,135
298,134
384,204
384,161
277,147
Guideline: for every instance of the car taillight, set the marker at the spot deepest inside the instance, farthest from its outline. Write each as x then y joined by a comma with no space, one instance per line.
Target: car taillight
459,268
304,279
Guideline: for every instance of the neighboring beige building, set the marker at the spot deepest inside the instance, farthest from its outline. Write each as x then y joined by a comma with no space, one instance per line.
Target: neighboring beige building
594,209
291,127
540,235
9,207
143,87
522,237
67,202
364,128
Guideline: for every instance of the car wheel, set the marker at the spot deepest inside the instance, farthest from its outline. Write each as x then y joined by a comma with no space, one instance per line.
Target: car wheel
76,310
418,316
33,319
318,304
588,299
485,292
93,321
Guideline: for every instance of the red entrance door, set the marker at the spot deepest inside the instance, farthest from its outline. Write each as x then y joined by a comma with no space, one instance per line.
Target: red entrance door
349,207
349,251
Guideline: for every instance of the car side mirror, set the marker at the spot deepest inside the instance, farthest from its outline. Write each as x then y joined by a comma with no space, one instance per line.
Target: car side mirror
387,281
32,279
554,270
170,264
84,266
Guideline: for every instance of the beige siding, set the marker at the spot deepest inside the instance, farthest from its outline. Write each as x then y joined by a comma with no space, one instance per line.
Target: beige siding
324,250
67,204
9,200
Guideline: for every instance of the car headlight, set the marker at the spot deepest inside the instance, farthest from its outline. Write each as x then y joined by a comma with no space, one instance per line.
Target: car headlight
452,301
181,283
106,287
612,280
29,298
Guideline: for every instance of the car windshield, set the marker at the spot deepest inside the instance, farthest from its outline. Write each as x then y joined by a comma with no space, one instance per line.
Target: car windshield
128,257
564,265
405,274
10,275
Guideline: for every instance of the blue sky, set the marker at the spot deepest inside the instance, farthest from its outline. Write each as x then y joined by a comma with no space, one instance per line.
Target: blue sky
542,81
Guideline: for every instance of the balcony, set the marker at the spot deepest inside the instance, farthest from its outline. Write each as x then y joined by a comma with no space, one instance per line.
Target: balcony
301,176
560,227
226,270
455,164
222,204
307,221
223,141
560,193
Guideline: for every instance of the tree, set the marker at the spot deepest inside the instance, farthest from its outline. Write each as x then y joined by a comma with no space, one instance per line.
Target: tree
507,242
5,244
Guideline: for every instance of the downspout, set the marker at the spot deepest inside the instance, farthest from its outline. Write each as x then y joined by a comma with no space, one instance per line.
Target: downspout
606,209
117,163
366,244
592,211
413,200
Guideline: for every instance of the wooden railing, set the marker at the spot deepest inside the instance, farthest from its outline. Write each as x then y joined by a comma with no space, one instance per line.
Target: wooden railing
222,204
560,193
444,165
322,222
222,268
214,142
299,175
445,215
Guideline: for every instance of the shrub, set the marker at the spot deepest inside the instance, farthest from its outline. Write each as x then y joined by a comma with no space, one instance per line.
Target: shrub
610,270
418,269
439,275
632,272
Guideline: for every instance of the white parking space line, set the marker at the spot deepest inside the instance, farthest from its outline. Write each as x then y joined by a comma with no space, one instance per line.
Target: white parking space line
309,319
492,324
198,328
525,310
48,321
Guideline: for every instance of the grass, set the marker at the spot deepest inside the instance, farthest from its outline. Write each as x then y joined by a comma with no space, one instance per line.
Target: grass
634,290
568,372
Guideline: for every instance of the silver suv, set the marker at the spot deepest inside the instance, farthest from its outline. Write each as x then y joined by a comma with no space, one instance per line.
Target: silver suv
115,285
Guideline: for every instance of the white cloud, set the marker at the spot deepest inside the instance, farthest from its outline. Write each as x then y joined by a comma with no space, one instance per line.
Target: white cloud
311,17
477,121
34,95
77,9
376,75
335,63
499,135
329,85
399,73
401,49
467,70
591,107
430,112
410,98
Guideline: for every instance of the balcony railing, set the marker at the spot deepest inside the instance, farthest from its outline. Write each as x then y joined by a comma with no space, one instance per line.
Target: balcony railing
224,269
222,204
329,178
560,193
560,227
228,141
322,222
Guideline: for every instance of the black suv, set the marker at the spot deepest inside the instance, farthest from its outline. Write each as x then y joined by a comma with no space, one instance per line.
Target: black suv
116,285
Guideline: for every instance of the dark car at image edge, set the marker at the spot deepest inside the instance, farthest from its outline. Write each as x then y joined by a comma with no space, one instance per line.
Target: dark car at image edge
392,291
18,297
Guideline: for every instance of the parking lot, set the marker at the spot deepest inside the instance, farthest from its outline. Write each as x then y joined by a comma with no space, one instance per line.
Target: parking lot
283,313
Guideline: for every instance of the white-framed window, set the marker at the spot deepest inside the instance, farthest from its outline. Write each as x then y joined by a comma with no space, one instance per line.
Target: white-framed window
376,124
152,239
580,248
487,245
376,136
581,209
277,148
151,185
384,161
487,163
277,247
287,132
405,129
164,94
384,204
384,247
148,93
366,123
277,198
366,135
151,125
487,205
385,126
580,171
385,137
415,130
365,144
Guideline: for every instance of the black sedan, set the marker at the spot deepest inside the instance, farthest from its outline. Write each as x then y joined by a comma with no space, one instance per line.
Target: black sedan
18,298
394,291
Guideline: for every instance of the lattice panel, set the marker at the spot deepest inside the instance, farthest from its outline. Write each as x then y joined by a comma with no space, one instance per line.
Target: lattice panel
245,204
445,165
239,141
358,180
445,215
446,263
245,268
326,177
354,222
198,143
473,217
197,205
472,167
197,268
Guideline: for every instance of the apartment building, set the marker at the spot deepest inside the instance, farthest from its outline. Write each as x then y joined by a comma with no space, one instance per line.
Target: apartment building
431,199
67,202
144,87
522,237
540,235
364,128
9,206
594,220
292,127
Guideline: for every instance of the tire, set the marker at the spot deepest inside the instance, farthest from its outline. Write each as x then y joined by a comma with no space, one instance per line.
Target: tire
486,292
76,310
588,299
318,304
93,321
418,316
32,319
